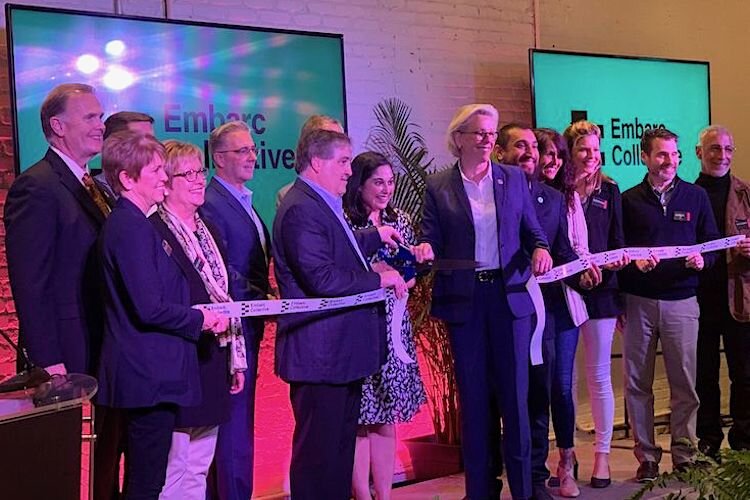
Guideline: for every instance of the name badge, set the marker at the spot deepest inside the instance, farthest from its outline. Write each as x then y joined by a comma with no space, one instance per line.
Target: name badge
741,224
167,247
681,216
599,202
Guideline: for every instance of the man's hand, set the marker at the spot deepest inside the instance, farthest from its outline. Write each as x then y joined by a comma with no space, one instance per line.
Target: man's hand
238,383
618,264
389,236
392,279
541,261
646,265
423,252
58,369
694,261
591,277
743,247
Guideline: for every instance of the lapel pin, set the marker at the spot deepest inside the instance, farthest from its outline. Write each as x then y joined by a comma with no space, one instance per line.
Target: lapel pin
540,199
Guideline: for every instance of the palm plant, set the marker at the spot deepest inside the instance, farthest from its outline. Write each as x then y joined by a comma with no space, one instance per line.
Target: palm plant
396,137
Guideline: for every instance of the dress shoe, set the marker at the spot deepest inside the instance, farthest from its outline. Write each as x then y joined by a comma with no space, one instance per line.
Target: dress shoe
648,471
709,449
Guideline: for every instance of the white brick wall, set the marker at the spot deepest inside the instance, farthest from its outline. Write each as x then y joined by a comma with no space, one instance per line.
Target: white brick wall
435,55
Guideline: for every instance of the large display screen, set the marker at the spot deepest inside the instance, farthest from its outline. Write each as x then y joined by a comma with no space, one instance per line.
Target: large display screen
624,96
190,77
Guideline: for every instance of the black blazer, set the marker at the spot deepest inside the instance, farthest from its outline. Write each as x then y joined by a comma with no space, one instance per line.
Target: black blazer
447,225
51,226
213,361
246,263
603,211
148,354
313,257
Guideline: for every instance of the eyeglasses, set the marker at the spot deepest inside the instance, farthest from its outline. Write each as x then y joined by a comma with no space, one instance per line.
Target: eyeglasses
716,149
481,135
192,175
245,151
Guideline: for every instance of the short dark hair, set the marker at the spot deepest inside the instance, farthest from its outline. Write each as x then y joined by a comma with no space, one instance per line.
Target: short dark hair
503,135
317,144
129,151
56,102
363,166
647,139
120,120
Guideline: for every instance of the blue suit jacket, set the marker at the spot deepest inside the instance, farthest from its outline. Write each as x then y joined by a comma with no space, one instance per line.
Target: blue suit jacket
313,257
51,228
448,226
246,263
149,351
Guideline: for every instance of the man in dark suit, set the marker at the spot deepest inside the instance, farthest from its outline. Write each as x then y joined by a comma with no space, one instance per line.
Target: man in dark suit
52,220
229,207
325,356
517,145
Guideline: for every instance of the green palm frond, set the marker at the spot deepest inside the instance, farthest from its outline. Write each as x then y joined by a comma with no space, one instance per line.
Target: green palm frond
397,138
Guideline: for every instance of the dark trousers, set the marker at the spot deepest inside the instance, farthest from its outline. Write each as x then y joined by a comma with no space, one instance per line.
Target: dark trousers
231,474
324,436
110,443
562,407
491,358
716,323
149,432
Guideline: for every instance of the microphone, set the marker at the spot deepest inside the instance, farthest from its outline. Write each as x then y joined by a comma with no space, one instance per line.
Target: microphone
32,377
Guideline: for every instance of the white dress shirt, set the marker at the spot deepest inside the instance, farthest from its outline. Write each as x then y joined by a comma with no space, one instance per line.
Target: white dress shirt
482,202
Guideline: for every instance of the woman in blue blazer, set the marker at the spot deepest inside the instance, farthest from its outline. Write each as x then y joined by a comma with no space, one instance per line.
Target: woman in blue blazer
481,211
149,364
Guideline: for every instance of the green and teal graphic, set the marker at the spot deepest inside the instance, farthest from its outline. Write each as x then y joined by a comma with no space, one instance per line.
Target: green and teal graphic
190,77
624,96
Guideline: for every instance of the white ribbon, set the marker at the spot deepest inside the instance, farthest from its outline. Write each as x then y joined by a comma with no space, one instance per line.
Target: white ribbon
248,308
603,258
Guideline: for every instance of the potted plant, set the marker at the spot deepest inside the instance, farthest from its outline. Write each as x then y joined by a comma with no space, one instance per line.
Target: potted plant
397,138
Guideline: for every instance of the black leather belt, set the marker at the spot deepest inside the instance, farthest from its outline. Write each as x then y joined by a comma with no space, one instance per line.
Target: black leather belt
488,276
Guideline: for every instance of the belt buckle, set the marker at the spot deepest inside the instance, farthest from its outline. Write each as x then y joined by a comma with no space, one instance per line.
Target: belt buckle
485,276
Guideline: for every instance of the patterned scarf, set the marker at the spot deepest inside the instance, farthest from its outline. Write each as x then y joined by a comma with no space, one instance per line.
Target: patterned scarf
201,250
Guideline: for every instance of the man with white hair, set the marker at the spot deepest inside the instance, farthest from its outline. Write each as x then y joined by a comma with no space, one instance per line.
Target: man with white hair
724,299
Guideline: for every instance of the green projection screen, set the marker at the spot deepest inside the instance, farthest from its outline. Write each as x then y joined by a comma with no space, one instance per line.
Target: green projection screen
190,77
624,96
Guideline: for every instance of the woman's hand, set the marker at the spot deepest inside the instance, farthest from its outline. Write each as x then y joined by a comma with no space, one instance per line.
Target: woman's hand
389,236
423,252
213,322
238,383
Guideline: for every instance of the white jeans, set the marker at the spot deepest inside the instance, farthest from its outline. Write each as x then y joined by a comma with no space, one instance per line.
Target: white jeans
190,456
597,335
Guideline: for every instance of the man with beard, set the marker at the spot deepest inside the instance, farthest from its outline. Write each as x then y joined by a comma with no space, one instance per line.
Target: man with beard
722,318
517,145
660,301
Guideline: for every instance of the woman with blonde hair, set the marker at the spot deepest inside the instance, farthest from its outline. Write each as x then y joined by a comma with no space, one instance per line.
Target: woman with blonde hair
481,211
601,207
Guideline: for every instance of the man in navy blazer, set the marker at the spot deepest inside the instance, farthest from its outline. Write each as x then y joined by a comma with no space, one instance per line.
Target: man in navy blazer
229,208
52,223
518,146
325,356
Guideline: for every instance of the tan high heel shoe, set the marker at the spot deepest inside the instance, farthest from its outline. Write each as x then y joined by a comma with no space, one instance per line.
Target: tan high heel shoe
565,473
